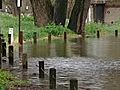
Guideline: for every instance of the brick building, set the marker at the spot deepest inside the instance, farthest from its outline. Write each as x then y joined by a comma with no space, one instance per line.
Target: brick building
107,11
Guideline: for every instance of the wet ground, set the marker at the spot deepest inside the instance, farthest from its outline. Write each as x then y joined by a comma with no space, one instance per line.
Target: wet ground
95,63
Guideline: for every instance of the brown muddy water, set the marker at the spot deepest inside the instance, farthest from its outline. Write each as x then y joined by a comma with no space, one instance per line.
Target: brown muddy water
95,63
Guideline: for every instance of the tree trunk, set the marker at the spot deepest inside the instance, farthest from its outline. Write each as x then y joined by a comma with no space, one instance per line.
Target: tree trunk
83,17
60,10
42,12
70,7
12,8
78,6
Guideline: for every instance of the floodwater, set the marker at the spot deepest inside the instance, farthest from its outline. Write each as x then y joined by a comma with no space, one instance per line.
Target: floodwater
94,62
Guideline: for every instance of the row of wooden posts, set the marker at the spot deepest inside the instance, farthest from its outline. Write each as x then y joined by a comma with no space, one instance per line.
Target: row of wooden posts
35,37
3,51
52,71
98,33
52,77
49,36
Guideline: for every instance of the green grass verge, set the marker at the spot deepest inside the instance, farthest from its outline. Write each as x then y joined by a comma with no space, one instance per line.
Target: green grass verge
9,80
27,26
92,27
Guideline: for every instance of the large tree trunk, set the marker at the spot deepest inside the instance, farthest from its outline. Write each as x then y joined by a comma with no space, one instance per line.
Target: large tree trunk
60,10
42,12
78,6
83,17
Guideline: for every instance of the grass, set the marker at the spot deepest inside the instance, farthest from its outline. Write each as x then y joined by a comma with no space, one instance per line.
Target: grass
27,26
8,80
92,27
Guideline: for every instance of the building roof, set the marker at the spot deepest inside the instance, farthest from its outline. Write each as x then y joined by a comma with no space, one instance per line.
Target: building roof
112,3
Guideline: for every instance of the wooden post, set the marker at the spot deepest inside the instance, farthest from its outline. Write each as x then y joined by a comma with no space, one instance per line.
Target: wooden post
116,33
24,61
98,34
41,69
49,37
73,84
9,38
3,40
4,49
1,35
0,45
52,78
65,36
0,4
35,37
11,55
21,38
0,52
0,60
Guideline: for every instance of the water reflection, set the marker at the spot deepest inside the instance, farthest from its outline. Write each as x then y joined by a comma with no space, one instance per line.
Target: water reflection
77,59
78,47
57,48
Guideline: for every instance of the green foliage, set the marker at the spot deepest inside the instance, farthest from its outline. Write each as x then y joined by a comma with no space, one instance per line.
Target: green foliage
55,30
8,80
27,26
92,27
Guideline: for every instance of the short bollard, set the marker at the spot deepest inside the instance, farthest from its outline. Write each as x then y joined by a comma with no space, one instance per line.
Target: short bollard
52,78
24,61
98,34
73,84
21,38
4,49
11,55
49,37
1,4
41,69
3,40
116,33
65,36
0,45
0,60
9,38
1,35
35,37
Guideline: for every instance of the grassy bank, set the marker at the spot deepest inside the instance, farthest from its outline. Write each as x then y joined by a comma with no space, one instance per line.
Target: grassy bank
27,26
92,27
8,80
